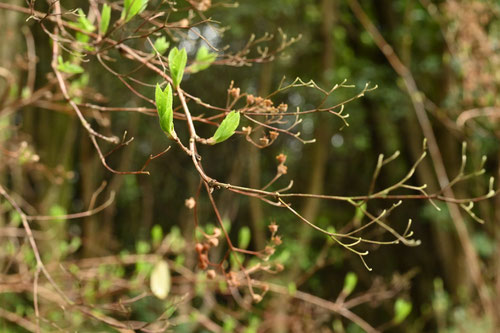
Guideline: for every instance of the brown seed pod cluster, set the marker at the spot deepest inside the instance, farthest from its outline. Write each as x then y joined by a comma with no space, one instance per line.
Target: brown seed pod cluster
212,240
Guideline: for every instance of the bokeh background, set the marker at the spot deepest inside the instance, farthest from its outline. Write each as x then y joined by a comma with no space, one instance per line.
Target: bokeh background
450,49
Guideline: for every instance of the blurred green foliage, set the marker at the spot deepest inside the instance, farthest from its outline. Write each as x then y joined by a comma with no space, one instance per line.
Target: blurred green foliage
149,211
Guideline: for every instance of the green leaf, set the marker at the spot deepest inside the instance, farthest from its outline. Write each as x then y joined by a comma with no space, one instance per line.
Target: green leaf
226,128
177,62
204,58
160,279
132,8
142,247
163,101
358,216
229,324
236,259
402,309
67,67
105,18
244,237
350,281
156,235
83,22
161,45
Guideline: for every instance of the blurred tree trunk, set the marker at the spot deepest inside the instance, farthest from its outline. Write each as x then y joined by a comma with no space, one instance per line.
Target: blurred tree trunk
255,169
448,249
11,45
318,155
320,150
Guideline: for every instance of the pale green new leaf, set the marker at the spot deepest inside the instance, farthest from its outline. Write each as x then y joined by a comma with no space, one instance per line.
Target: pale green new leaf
350,282
177,62
204,58
83,22
160,282
132,8
161,45
67,67
163,101
105,18
244,236
402,309
226,128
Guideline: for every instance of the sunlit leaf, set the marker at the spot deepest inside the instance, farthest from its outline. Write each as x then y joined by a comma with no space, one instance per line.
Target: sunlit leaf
67,67
177,62
105,18
204,58
161,45
350,281
163,101
83,22
402,309
244,236
160,280
132,8
156,234
226,128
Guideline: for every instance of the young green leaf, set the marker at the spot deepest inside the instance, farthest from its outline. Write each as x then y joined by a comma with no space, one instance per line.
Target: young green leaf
244,236
160,279
163,101
226,128
83,22
156,235
350,281
132,8
105,18
402,309
161,45
177,62
204,58
67,67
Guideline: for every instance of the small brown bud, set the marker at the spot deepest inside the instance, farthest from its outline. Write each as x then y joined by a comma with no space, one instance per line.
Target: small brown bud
198,247
273,135
277,240
232,279
282,107
282,169
250,99
211,274
269,250
279,267
256,298
281,158
273,228
213,242
247,129
264,140
203,5
217,232
203,263
184,23
258,100
234,92
190,203
268,102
